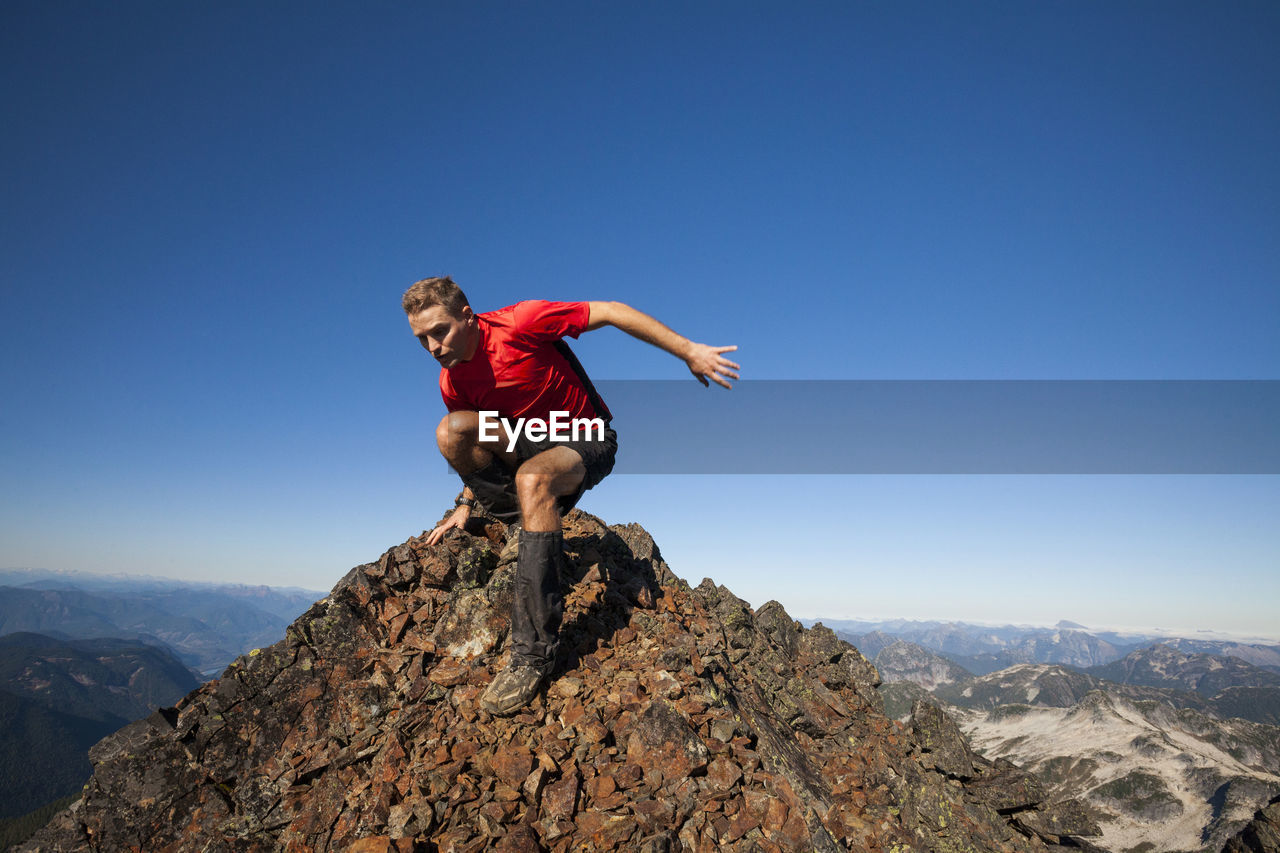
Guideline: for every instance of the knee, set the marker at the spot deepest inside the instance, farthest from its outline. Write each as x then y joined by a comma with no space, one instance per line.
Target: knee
456,431
533,485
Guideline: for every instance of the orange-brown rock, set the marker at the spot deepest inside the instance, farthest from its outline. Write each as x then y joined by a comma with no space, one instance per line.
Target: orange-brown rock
678,719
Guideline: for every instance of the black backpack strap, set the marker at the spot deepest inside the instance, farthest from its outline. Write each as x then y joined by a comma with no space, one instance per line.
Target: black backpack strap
597,402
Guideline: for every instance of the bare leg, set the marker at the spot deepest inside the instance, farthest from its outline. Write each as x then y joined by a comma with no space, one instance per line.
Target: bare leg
542,479
458,437
537,605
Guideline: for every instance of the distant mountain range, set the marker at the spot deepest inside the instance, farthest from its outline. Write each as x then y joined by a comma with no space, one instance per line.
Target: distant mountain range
1166,666
983,648
901,661
205,625
82,655
59,697
1173,742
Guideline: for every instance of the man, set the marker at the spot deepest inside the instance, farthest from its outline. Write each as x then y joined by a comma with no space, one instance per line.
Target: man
513,362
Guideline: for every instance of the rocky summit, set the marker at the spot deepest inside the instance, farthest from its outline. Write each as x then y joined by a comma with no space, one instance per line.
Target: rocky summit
678,719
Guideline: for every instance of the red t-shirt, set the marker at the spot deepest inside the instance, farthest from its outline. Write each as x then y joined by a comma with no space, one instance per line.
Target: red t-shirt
516,370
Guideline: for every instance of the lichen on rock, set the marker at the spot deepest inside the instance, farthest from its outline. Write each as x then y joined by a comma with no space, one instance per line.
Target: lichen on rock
678,719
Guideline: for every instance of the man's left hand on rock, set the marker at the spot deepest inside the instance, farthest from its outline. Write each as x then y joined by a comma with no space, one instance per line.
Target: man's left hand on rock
458,518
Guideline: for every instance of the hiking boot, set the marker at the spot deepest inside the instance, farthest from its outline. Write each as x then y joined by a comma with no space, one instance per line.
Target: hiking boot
513,688
510,550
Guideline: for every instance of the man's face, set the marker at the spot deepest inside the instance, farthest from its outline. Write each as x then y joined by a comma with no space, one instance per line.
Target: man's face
449,338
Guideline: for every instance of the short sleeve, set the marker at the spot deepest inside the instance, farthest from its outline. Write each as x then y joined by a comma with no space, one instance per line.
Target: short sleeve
539,321
453,401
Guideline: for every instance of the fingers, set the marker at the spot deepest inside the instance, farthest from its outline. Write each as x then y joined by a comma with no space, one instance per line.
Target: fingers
721,372
442,528
721,361
710,364
715,377
719,375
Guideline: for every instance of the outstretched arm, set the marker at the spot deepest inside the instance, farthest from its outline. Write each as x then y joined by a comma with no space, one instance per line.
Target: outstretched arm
705,362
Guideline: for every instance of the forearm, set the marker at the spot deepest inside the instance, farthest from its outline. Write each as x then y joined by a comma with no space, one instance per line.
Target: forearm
639,325
706,363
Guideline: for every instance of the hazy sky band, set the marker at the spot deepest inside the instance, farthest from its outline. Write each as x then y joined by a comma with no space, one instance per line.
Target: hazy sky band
947,427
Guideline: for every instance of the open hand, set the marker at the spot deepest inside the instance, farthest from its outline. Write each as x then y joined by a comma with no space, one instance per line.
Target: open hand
708,363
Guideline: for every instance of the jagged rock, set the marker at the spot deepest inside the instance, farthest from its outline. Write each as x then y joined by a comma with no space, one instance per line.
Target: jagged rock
1057,821
678,719
942,746
1260,835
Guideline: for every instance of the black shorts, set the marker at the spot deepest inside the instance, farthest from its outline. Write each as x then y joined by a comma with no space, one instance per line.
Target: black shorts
597,455
495,486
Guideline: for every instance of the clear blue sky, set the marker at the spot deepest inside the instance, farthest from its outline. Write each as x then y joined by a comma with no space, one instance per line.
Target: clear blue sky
210,212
